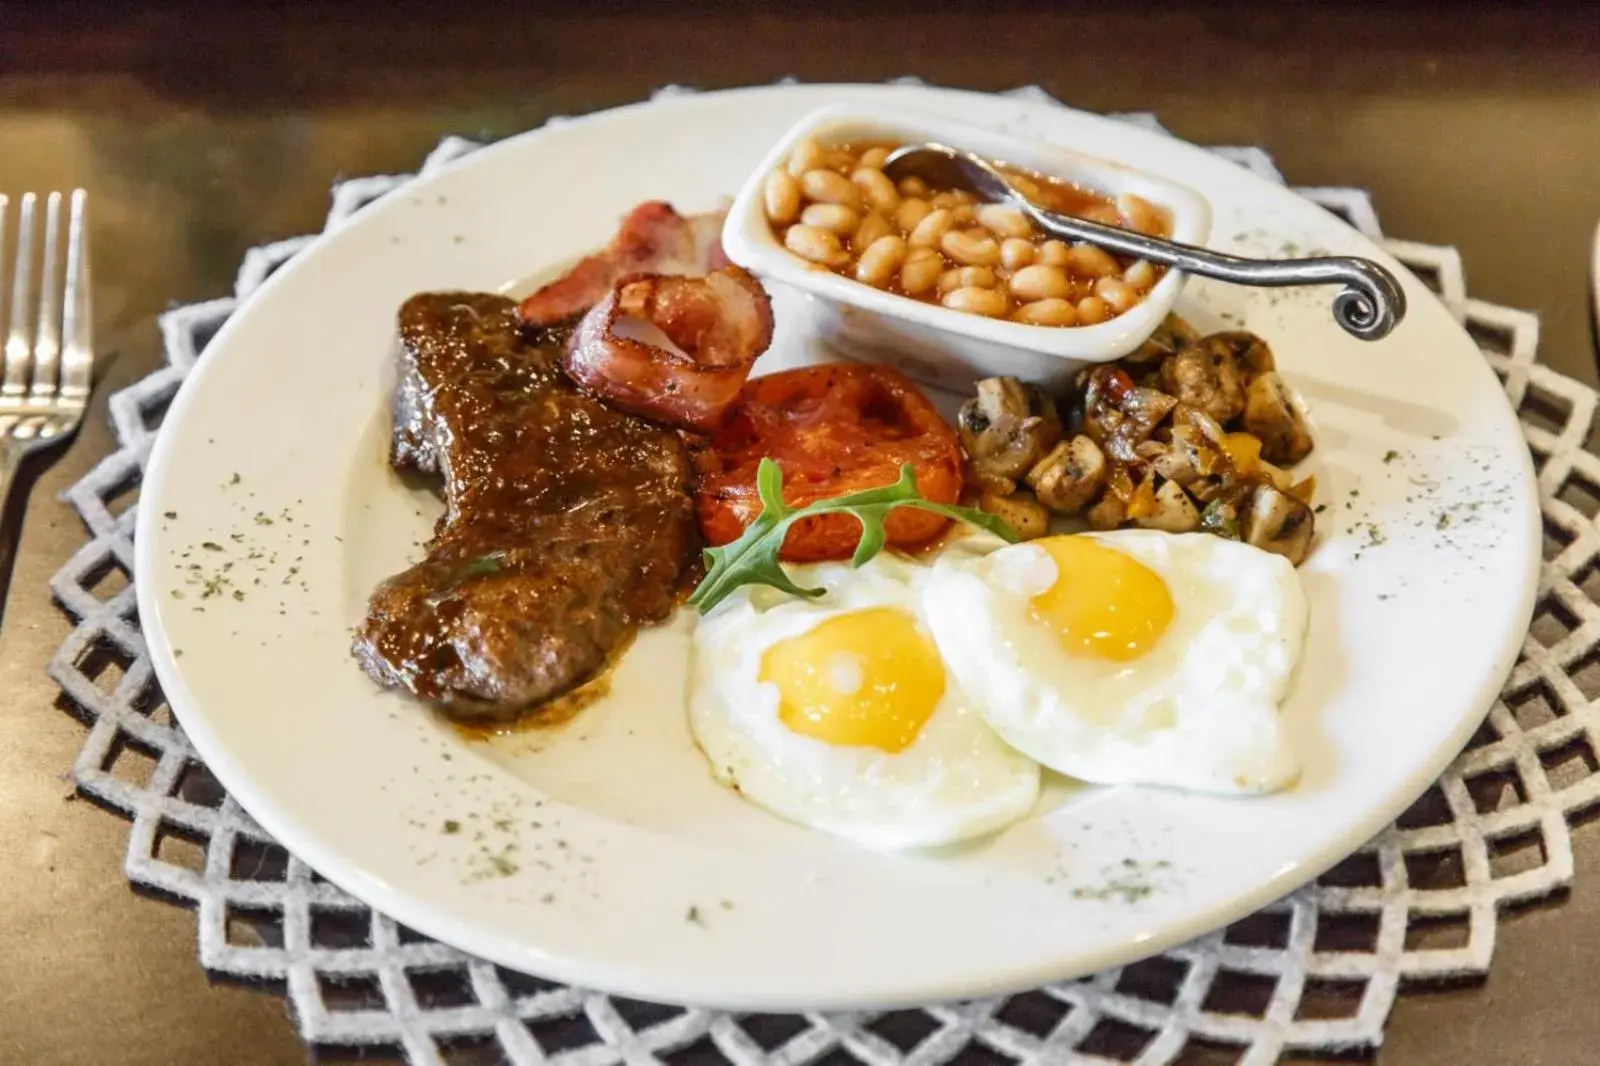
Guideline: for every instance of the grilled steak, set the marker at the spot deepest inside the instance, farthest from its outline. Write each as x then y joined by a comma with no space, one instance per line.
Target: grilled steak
568,523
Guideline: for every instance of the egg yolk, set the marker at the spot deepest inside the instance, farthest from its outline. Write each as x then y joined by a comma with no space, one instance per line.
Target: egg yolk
865,679
1103,604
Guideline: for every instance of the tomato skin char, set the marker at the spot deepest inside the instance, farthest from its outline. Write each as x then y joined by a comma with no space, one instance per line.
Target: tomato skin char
832,429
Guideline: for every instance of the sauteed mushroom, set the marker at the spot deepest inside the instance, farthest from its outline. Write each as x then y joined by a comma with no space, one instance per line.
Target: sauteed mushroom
1206,375
1187,457
1144,409
1248,349
1276,522
1270,414
1106,514
1210,429
1006,429
1070,476
1188,433
1019,510
1171,337
1207,489
1174,513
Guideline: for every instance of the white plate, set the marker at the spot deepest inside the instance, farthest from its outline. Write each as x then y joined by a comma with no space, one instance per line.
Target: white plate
602,854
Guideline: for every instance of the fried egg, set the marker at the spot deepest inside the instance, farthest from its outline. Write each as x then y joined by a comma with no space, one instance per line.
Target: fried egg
1131,657
838,713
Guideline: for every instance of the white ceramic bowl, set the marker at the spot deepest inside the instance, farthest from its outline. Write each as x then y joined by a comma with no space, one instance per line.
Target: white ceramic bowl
947,348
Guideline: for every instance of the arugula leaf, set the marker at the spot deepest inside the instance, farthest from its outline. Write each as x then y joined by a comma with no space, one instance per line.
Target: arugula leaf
483,564
753,558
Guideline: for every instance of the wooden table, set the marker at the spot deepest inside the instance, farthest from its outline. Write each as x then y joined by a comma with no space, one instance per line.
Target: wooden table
202,130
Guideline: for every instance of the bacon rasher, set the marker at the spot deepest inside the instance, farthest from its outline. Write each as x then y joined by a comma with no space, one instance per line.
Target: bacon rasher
673,349
653,238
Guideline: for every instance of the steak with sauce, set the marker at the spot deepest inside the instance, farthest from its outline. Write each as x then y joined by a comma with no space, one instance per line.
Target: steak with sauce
568,523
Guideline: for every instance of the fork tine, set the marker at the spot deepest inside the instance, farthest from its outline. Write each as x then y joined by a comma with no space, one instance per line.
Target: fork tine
77,360
19,340
47,342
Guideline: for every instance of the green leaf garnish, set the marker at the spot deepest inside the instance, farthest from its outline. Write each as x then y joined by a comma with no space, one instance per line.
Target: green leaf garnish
753,558
483,564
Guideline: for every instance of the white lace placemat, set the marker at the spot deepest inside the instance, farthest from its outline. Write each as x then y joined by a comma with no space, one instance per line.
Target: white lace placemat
1318,970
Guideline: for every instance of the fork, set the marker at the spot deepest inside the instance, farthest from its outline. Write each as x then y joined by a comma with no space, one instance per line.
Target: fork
49,354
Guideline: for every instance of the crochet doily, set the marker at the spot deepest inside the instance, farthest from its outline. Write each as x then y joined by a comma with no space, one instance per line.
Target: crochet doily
1318,970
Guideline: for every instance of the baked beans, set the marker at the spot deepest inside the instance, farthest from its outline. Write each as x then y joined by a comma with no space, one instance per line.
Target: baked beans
871,228
921,271
980,277
835,218
1016,253
816,244
835,207
880,260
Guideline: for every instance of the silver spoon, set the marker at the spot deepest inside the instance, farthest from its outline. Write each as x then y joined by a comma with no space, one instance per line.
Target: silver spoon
1369,305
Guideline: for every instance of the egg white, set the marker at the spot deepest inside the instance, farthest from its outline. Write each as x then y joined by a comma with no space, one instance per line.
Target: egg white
1199,710
955,781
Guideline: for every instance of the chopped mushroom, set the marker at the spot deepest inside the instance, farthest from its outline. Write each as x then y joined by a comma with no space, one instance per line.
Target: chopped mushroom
1173,335
1120,416
1142,410
1107,514
1277,522
1174,511
1248,350
1207,489
1187,457
1070,476
1210,429
1188,433
1146,408
1206,375
1006,429
1103,390
1270,414
1020,511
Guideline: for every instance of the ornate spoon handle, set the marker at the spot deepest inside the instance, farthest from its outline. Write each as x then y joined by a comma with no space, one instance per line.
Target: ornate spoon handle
1369,305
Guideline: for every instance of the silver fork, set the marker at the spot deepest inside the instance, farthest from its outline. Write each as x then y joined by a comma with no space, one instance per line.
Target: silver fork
49,351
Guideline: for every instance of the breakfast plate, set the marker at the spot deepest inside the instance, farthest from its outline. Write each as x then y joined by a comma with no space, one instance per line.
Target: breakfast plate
601,852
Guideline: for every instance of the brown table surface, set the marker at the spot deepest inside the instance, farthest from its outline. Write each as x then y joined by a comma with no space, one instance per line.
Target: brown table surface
203,130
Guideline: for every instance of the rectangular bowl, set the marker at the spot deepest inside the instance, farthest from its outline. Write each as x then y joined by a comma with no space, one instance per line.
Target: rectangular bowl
952,349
